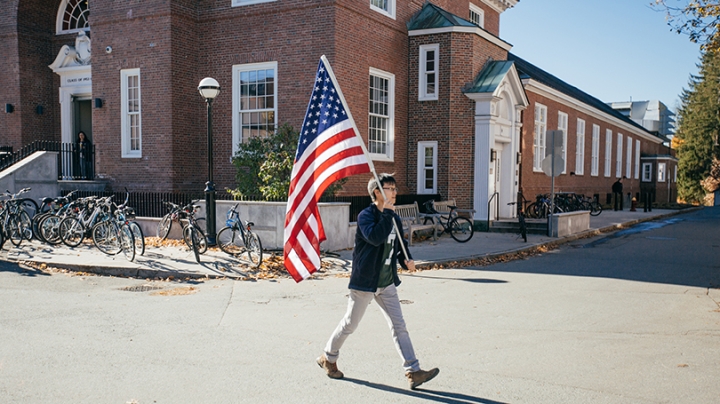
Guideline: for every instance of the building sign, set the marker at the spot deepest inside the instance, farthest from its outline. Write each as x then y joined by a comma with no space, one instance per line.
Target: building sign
77,80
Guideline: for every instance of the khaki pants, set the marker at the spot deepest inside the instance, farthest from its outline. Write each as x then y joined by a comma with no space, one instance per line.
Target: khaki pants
389,303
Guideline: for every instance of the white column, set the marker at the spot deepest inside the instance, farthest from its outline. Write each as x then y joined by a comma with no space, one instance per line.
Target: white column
482,178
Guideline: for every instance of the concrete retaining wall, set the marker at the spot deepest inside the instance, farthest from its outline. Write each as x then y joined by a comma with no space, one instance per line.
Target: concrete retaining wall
269,219
37,171
565,224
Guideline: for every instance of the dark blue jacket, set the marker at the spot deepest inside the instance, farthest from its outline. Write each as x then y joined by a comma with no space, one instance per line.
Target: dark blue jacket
373,229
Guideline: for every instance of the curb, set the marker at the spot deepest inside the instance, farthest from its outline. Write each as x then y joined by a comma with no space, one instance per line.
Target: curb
145,273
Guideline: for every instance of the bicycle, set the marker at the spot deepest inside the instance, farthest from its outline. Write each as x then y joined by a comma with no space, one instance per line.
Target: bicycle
176,214
16,222
460,228
192,232
521,220
237,237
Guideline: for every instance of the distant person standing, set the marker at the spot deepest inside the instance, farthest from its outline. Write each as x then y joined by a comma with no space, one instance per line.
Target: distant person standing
83,150
617,189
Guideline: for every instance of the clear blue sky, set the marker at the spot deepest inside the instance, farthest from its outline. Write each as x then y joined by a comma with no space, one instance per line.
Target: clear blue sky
614,50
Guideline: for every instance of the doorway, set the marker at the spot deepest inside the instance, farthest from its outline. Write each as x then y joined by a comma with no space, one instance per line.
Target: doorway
82,117
81,162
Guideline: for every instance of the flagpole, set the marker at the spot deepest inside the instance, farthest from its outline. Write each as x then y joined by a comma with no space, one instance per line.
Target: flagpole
362,144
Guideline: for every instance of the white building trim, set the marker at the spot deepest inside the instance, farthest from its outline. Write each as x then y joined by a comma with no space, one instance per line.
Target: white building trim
557,96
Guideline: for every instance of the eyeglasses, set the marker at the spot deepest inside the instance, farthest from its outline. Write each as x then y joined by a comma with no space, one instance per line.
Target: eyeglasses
393,189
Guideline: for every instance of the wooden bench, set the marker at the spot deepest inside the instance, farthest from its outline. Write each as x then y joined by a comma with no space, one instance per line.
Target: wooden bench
413,220
444,208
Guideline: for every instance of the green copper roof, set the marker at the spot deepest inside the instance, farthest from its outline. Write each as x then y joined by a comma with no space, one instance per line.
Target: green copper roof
432,16
489,78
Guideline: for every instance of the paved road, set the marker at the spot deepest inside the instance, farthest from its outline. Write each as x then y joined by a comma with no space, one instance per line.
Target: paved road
630,317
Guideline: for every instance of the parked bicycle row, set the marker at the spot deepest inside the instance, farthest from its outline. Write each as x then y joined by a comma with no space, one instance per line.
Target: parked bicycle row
564,202
112,228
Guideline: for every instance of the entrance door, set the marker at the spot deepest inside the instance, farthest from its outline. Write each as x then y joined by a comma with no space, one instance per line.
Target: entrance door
82,118
82,122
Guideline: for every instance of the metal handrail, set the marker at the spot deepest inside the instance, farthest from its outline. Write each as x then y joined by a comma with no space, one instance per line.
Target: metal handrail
488,209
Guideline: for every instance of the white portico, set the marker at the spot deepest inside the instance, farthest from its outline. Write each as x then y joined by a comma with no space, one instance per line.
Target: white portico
72,64
499,100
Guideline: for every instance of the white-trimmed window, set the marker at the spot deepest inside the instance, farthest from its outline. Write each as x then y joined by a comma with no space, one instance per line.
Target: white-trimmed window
628,158
428,77
539,136
73,16
661,172
477,16
608,152
563,126
381,122
580,148
238,3
637,159
386,7
254,101
130,113
427,168
618,157
646,172
675,175
595,162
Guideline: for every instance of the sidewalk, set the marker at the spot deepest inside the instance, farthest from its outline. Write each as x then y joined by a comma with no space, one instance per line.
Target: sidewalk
178,262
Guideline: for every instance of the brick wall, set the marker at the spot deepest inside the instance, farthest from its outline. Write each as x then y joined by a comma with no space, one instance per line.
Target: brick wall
534,183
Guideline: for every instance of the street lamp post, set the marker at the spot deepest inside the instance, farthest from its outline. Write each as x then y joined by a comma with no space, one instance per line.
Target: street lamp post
209,89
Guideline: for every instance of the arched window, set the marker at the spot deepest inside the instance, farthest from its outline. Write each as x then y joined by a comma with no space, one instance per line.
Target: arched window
73,16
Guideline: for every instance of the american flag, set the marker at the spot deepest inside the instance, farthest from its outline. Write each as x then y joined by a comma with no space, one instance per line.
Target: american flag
329,148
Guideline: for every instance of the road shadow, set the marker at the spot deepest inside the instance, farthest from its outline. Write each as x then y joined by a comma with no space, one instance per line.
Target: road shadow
429,395
20,269
681,250
455,278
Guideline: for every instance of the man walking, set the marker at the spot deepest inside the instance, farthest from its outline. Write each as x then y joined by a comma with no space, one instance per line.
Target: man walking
374,276
617,189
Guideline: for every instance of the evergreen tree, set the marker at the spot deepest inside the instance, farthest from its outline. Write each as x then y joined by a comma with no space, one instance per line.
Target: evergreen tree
698,126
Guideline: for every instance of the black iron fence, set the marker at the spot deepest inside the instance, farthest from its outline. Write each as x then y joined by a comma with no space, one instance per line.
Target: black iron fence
73,164
150,204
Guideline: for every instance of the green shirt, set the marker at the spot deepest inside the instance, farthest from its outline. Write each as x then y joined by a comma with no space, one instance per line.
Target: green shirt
386,273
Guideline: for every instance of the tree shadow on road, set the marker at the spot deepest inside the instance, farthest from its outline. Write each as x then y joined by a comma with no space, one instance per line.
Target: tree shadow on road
430,395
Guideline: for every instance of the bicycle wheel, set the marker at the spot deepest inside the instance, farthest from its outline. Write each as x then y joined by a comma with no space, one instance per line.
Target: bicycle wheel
461,229
36,226
201,240
139,238
254,249
105,236
72,232
201,224
14,230
164,227
26,228
596,209
30,206
48,227
127,242
192,239
531,210
230,241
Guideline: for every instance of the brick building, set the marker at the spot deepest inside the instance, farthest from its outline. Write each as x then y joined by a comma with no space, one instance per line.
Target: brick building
432,87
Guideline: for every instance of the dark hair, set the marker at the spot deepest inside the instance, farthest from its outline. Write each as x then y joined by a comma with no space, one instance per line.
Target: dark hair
384,178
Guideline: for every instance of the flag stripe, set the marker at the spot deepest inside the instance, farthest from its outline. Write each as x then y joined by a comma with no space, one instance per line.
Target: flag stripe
329,149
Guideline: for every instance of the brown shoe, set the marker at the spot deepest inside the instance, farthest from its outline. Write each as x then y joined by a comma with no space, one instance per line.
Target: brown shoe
330,368
421,376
